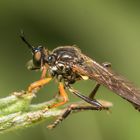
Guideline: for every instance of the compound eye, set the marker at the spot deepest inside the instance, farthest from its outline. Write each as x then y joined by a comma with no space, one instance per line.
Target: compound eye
37,56
51,59
37,59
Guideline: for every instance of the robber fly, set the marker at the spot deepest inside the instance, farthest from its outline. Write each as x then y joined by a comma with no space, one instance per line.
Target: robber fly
68,64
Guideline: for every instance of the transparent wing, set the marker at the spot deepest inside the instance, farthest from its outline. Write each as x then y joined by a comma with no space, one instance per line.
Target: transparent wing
110,79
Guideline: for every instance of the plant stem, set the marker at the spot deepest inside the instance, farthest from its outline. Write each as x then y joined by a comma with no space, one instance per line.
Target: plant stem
16,111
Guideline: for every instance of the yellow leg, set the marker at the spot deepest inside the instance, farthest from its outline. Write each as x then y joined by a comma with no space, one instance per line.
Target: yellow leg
38,84
63,95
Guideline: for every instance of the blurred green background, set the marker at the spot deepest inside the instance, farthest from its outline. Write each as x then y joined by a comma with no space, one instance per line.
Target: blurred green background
104,30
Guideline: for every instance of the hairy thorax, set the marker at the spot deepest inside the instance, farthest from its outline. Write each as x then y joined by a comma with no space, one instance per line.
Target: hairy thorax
66,57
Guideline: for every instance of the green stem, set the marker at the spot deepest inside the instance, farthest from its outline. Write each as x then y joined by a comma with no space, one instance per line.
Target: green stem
16,111
24,120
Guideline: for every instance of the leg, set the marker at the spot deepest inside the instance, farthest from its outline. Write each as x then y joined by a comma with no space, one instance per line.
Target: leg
92,94
75,107
38,84
63,96
44,71
86,99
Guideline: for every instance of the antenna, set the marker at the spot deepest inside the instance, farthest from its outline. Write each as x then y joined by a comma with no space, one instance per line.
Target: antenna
26,42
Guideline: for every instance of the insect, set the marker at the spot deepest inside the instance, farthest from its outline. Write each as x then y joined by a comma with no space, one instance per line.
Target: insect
68,64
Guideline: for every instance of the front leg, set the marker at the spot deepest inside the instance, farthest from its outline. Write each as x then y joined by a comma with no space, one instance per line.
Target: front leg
38,84
43,81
